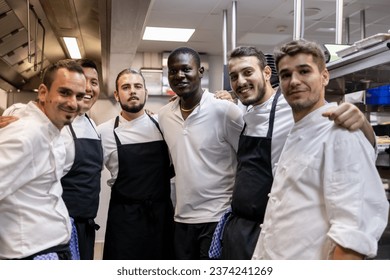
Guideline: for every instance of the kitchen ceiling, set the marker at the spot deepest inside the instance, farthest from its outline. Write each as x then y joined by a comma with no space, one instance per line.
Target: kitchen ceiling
110,31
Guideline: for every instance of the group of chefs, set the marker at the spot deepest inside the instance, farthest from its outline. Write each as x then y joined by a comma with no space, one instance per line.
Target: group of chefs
223,158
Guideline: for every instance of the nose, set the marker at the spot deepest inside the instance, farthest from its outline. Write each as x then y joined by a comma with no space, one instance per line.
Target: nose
88,87
180,74
73,103
241,80
295,79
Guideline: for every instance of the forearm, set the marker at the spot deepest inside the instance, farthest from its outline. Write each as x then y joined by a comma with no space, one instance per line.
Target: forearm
341,253
369,132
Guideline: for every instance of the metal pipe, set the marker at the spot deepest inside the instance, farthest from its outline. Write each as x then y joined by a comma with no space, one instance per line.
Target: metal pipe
36,45
224,37
226,81
339,21
43,39
298,8
347,31
43,45
234,24
28,32
362,24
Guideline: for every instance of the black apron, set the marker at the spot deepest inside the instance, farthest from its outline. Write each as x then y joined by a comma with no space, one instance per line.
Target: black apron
81,189
250,193
140,214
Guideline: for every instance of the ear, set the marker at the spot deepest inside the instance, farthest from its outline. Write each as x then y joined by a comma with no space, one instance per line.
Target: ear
116,95
201,71
146,94
325,77
42,93
267,73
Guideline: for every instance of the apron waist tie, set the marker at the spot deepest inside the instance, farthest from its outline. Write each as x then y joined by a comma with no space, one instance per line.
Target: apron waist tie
59,252
88,221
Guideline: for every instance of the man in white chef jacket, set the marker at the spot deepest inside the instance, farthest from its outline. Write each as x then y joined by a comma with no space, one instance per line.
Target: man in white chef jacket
34,220
83,163
327,200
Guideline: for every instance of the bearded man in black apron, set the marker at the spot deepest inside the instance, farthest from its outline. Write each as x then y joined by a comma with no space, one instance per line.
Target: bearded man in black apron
140,214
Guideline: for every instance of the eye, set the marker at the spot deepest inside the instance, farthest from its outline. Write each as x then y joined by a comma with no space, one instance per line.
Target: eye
233,77
284,76
80,96
304,71
64,92
248,73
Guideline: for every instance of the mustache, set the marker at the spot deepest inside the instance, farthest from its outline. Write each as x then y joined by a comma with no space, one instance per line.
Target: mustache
133,98
246,86
69,109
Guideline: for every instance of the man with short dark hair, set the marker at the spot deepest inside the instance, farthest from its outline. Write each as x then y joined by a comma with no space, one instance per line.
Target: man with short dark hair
34,220
140,213
327,200
83,163
202,135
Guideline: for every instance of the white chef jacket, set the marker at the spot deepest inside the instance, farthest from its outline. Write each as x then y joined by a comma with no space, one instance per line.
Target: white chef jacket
82,126
257,122
326,190
139,130
33,215
203,150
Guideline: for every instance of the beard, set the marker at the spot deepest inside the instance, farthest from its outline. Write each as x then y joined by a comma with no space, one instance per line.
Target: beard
132,109
256,99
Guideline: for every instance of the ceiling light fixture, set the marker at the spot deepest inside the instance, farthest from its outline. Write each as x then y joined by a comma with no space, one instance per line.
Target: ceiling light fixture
167,34
72,47
309,12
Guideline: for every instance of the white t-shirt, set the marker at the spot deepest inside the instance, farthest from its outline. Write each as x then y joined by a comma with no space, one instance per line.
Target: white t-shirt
203,150
83,128
257,123
139,130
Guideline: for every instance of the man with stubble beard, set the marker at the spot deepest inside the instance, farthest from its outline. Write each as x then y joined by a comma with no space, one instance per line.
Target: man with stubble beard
34,220
140,214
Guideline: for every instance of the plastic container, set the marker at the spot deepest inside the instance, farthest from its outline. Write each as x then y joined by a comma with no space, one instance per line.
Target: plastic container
378,96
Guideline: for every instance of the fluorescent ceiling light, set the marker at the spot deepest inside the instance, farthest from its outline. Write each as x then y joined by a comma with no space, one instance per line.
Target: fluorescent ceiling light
72,46
167,34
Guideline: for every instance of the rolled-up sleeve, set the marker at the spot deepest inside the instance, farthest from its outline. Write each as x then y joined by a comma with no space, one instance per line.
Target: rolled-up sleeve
355,199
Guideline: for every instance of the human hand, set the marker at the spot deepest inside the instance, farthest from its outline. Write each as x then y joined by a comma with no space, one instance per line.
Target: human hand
350,117
147,111
6,120
224,94
346,115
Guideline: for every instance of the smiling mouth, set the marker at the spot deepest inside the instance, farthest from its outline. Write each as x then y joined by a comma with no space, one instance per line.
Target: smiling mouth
87,97
244,90
181,85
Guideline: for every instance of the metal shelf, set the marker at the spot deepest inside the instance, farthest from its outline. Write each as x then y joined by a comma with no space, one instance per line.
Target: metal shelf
365,69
